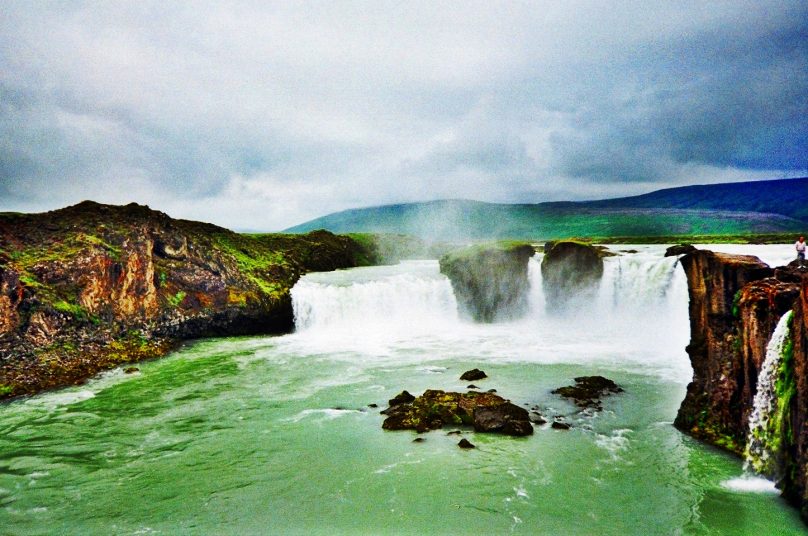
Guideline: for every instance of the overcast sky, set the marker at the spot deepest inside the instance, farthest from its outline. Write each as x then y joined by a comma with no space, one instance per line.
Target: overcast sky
259,115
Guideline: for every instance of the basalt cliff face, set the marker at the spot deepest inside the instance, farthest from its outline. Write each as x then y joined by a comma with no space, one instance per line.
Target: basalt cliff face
92,286
735,304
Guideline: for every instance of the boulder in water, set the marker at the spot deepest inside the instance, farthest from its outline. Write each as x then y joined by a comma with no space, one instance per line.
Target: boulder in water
466,444
404,397
473,375
504,418
434,409
588,390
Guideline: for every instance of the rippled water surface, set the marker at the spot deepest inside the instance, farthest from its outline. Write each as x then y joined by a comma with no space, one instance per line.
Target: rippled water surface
274,435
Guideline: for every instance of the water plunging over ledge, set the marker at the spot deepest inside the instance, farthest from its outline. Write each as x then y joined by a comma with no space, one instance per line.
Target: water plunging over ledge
273,435
759,454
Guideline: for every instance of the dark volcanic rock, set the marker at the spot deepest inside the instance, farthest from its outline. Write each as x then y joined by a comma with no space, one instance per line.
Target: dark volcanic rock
504,418
466,444
490,281
679,249
558,425
404,397
571,272
588,390
434,409
473,374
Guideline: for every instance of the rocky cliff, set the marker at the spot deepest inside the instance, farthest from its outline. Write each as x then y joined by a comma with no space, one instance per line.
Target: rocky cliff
571,272
490,281
91,286
735,304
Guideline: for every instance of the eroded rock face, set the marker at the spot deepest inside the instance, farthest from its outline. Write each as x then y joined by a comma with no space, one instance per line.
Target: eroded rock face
571,273
795,481
92,286
735,304
710,410
490,281
434,409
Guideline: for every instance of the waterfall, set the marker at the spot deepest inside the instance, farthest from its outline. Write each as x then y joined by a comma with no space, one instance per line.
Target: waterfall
636,320
759,450
413,295
642,287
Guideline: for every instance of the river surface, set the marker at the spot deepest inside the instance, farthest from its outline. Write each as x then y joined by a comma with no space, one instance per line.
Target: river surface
274,435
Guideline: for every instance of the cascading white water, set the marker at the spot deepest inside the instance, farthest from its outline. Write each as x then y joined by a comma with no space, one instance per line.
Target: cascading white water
414,297
638,317
758,453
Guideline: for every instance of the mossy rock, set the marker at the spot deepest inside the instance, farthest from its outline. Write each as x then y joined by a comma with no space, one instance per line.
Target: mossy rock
490,281
571,272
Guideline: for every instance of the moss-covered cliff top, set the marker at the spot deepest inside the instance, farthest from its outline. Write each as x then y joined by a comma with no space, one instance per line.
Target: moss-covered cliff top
92,285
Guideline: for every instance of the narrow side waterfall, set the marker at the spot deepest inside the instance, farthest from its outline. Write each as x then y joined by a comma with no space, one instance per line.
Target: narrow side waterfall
760,453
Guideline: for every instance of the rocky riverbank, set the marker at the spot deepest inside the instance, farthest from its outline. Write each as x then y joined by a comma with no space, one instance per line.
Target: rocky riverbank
91,286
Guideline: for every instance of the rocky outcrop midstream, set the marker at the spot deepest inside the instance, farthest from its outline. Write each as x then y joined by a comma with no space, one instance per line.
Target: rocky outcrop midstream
92,286
571,272
735,304
490,281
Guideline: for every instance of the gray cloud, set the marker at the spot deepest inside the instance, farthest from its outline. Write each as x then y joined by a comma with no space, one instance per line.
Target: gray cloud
256,115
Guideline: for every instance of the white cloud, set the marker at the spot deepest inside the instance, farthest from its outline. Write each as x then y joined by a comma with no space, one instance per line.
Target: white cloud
218,110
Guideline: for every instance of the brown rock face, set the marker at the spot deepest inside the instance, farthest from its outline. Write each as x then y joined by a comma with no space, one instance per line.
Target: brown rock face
795,482
713,280
91,286
735,305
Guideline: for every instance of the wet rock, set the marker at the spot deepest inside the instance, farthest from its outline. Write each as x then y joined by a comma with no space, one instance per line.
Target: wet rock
473,375
537,419
472,386
679,249
503,418
373,405
588,390
418,440
434,409
558,425
403,397
491,391
571,273
131,370
490,281
465,444
454,432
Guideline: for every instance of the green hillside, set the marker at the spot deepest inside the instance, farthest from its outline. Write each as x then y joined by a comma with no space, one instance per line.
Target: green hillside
725,209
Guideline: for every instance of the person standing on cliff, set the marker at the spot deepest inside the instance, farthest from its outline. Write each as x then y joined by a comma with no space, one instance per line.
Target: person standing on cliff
800,245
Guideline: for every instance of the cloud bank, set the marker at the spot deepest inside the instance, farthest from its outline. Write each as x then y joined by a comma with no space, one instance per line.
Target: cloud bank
259,115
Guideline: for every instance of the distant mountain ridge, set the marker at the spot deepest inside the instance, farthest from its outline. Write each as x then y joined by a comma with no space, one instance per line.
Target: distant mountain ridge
768,206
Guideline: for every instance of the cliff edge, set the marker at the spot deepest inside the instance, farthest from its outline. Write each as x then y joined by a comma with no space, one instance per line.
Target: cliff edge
92,286
736,302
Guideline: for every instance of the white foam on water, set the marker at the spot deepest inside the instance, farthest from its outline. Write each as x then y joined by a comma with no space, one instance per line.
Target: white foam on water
320,415
750,484
61,398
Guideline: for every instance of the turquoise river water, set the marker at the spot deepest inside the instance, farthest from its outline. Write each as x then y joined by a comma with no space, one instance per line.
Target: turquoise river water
274,435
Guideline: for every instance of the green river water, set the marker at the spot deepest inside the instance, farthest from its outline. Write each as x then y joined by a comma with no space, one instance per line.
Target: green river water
274,435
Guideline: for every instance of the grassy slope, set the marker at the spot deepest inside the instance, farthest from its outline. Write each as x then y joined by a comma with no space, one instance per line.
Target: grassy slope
725,209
